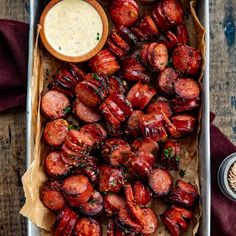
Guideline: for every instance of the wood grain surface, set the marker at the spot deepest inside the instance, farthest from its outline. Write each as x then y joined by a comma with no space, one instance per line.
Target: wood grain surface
13,125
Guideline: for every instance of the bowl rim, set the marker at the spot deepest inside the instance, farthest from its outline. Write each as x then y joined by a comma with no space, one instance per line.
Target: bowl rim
86,56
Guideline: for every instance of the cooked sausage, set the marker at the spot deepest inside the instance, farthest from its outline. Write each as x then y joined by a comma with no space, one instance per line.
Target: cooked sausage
110,118
115,109
140,95
127,34
180,105
152,127
55,105
88,167
159,18
111,179
125,222
119,41
166,80
115,49
144,53
144,216
142,194
124,12
100,83
160,181
187,88
146,28
133,70
170,156
183,194
52,198
67,78
104,62
55,132
117,85
116,151
122,103
150,222
87,94
78,189
114,130
113,203
133,127
171,40
145,145
182,33
55,166
85,113
160,105
187,59
87,227
65,222
93,206
141,164
159,57
95,132
184,124
176,220
172,12
129,194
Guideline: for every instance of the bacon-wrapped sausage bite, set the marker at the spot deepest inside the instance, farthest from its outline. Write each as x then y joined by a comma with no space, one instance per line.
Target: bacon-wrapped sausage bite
183,194
140,95
65,222
104,62
176,220
168,13
124,12
146,28
67,78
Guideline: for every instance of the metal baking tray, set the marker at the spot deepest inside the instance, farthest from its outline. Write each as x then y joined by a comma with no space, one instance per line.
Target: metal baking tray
202,9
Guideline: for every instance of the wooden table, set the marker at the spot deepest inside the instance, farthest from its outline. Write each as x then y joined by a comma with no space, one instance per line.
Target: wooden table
13,125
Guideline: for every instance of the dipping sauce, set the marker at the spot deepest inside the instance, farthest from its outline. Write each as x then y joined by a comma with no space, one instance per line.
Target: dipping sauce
73,27
232,177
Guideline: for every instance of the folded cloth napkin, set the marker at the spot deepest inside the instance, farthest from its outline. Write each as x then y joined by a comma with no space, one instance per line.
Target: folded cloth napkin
223,210
13,67
13,63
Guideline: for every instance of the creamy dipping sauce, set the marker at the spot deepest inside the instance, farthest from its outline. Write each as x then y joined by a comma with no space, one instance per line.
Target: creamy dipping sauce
73,27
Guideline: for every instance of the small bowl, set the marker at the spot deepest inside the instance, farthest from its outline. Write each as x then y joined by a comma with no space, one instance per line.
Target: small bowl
79,58
223,177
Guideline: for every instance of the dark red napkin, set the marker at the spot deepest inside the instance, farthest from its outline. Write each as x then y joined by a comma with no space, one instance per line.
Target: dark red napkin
13,63
223,210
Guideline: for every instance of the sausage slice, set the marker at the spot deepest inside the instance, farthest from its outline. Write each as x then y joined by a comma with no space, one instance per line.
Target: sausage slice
85,113
87,227
55,132
55,166
113,203
160,181
55,105
142,194
159,57
94,205
187,88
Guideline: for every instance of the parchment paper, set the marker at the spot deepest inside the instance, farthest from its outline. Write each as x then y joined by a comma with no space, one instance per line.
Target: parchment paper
43,68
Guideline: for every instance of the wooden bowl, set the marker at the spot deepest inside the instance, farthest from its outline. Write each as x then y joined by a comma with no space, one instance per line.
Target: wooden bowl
79,58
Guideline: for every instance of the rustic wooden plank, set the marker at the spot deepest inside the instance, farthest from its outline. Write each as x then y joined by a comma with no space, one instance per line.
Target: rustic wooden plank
223,65
12,147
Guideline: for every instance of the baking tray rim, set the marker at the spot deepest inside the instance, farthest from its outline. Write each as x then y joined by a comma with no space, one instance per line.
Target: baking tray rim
32,230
